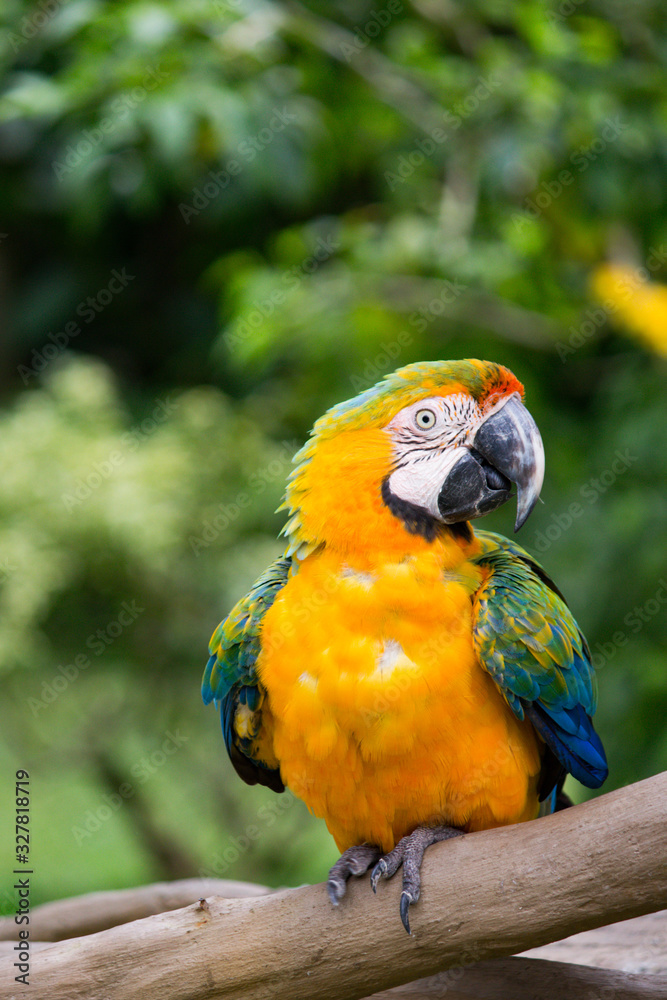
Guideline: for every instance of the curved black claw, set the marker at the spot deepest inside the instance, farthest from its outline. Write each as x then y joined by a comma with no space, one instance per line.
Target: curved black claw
406,903
377,873
353,861
409,852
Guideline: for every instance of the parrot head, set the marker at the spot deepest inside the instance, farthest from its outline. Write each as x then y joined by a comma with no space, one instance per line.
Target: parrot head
430,447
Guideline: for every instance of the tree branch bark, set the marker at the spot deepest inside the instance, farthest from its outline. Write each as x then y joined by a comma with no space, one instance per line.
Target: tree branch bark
97,911
486,895
528,978
638,945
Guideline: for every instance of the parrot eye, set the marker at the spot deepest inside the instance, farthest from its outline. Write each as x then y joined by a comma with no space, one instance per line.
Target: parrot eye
425,419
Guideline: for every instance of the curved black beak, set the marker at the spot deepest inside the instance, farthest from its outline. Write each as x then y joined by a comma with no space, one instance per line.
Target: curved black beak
507,448
510,441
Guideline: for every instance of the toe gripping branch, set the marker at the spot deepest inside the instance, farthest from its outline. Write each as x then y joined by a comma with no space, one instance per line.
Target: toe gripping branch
409,852
353,861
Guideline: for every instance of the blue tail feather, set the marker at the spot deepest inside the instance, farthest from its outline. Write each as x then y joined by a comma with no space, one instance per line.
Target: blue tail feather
578,748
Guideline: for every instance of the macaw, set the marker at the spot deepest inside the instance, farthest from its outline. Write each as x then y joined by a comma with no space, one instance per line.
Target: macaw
409,678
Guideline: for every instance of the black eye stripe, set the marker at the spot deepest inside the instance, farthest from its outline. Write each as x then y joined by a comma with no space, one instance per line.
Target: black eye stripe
405,437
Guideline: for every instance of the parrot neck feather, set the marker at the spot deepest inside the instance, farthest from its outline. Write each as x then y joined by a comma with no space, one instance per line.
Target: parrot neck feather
335,498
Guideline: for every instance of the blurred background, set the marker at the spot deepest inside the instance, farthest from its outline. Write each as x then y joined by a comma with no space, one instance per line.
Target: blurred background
216,220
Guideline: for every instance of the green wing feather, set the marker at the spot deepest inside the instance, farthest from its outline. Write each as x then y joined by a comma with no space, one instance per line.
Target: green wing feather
230,678
527,639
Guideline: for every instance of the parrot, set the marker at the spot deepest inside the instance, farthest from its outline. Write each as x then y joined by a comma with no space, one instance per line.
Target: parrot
408,677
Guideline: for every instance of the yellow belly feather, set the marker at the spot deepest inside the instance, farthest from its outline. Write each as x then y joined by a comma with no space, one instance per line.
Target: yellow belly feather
382,718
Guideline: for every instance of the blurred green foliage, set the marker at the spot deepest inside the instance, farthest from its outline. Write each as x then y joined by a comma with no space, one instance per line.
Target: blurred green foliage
219,218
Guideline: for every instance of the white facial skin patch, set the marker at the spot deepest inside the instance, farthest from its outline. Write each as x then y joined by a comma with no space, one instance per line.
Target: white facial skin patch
429,438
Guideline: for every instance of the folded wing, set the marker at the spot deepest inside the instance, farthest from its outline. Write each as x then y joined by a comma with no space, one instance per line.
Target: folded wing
527,639
231,681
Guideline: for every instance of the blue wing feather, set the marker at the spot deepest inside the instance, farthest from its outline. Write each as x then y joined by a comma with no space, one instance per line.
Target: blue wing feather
526,637
230,677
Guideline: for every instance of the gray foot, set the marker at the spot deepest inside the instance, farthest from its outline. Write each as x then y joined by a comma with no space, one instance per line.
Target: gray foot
409,852
353,861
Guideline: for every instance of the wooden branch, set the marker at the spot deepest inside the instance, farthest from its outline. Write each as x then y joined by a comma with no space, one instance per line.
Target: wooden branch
638,945
528,978
485,895
630,945
96,911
